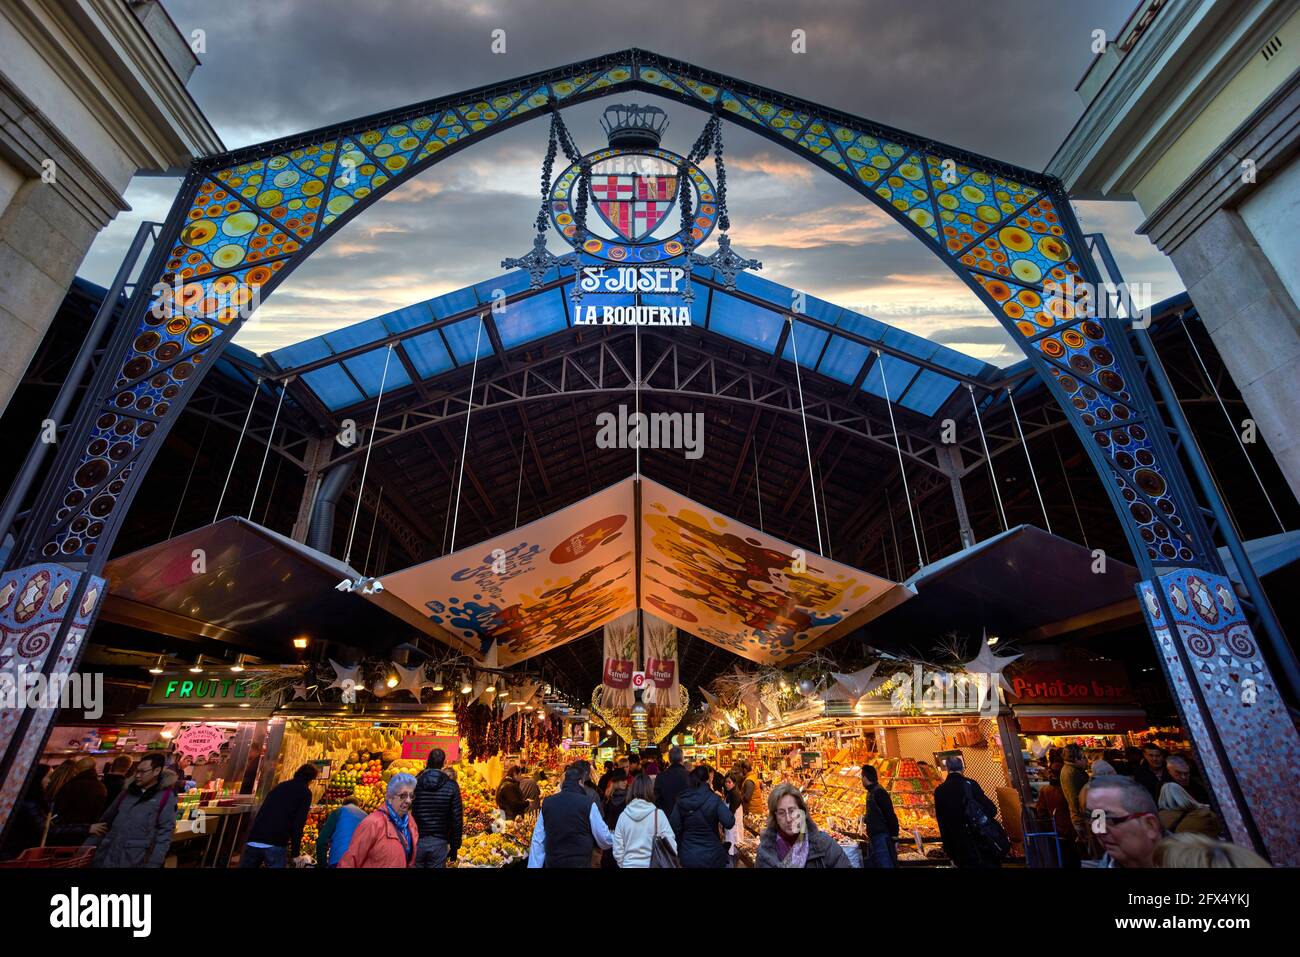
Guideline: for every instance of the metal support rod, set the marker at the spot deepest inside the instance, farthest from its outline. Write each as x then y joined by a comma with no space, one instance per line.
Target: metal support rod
22,482
997,492
1028,458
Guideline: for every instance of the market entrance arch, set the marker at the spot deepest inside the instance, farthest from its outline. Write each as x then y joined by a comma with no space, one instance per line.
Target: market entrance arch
244,220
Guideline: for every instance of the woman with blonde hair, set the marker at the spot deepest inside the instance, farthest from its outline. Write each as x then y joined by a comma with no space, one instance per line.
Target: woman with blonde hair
1180,813
1198,851
791,838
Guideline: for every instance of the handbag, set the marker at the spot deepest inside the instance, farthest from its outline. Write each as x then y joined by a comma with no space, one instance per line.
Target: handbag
661,852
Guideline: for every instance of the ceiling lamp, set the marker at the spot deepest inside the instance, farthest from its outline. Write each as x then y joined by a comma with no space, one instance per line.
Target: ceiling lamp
157,668
197,667
301,642
491,685
437,682
465,686
238,666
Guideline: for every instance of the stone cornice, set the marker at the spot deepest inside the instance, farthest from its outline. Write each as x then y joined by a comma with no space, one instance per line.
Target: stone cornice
28,139
1269,137
102,52
1184,59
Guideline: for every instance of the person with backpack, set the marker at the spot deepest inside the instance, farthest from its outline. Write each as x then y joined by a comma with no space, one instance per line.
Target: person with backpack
882,822
639,825
966,819
136,829
697,819
336,833
439,812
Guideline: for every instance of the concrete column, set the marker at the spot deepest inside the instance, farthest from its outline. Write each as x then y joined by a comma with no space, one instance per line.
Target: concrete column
1255,325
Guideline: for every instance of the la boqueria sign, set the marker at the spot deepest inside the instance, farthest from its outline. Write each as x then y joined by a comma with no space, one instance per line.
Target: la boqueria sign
196,690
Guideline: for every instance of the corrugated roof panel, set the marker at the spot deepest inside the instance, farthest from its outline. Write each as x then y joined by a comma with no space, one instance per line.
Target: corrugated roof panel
463,336
451,303
408,317
300,352
929,391
332,386
531,319
843,359
428,353
752,325
368,370
359,334
898,372
808,346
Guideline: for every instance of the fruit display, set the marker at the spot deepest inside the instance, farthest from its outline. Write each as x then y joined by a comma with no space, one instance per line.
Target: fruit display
478,812
370,795
311,830
490,850
838,801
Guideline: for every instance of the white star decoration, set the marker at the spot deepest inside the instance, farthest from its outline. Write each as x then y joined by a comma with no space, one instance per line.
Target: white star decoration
413,680
986,663
300,691
859,683
344,675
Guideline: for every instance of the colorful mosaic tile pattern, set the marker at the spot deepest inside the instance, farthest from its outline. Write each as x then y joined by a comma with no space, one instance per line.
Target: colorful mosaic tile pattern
34,602
1244,708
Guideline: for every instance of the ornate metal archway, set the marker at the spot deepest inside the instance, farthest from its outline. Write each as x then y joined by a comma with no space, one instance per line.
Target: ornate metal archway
244,220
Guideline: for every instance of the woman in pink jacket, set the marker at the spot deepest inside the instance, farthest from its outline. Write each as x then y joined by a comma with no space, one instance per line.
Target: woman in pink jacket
388,836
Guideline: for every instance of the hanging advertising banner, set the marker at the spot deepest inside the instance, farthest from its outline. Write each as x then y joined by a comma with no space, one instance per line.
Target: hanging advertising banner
537,587
621,660
746,591
661,662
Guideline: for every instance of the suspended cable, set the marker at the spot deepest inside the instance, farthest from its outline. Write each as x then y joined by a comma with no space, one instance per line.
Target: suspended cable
365,467
257,387
803,416
1065,473
758,488
997,492
822,477
889,404
270,437
519,490
460,480
1025,445
1232,426
185,491
275,483
365,567
636,336
893,533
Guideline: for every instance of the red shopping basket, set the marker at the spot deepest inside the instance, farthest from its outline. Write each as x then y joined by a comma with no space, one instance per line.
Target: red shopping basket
52,857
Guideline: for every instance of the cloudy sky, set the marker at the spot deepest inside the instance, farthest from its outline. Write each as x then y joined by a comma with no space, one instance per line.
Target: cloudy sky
996,78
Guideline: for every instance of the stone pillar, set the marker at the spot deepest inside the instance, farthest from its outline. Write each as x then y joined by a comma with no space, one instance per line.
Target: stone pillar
1254,323
1230,705
45,613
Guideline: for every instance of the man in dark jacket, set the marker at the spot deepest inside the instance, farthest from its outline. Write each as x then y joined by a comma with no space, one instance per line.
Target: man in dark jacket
615,802
136,830
695,817
115,777
673,781
882,822
277,831
79,804
509,796
950,812
570,827
439,813
1152,773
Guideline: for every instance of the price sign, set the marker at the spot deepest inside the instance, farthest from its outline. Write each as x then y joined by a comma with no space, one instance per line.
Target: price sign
638,679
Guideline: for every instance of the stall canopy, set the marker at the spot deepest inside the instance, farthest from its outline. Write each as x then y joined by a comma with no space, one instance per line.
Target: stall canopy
643,545
246,585
1023,583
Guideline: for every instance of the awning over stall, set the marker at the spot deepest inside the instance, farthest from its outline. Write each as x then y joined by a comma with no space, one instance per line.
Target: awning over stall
238,582
1024,583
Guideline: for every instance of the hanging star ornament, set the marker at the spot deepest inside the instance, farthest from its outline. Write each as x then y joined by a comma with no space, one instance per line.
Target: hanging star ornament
986,663
345,678
299,691
859,683
413,680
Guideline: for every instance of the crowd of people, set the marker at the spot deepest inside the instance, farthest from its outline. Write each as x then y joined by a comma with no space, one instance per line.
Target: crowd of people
1133,809
126,814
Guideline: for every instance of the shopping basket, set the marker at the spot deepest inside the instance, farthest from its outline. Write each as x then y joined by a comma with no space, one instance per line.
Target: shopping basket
53,857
